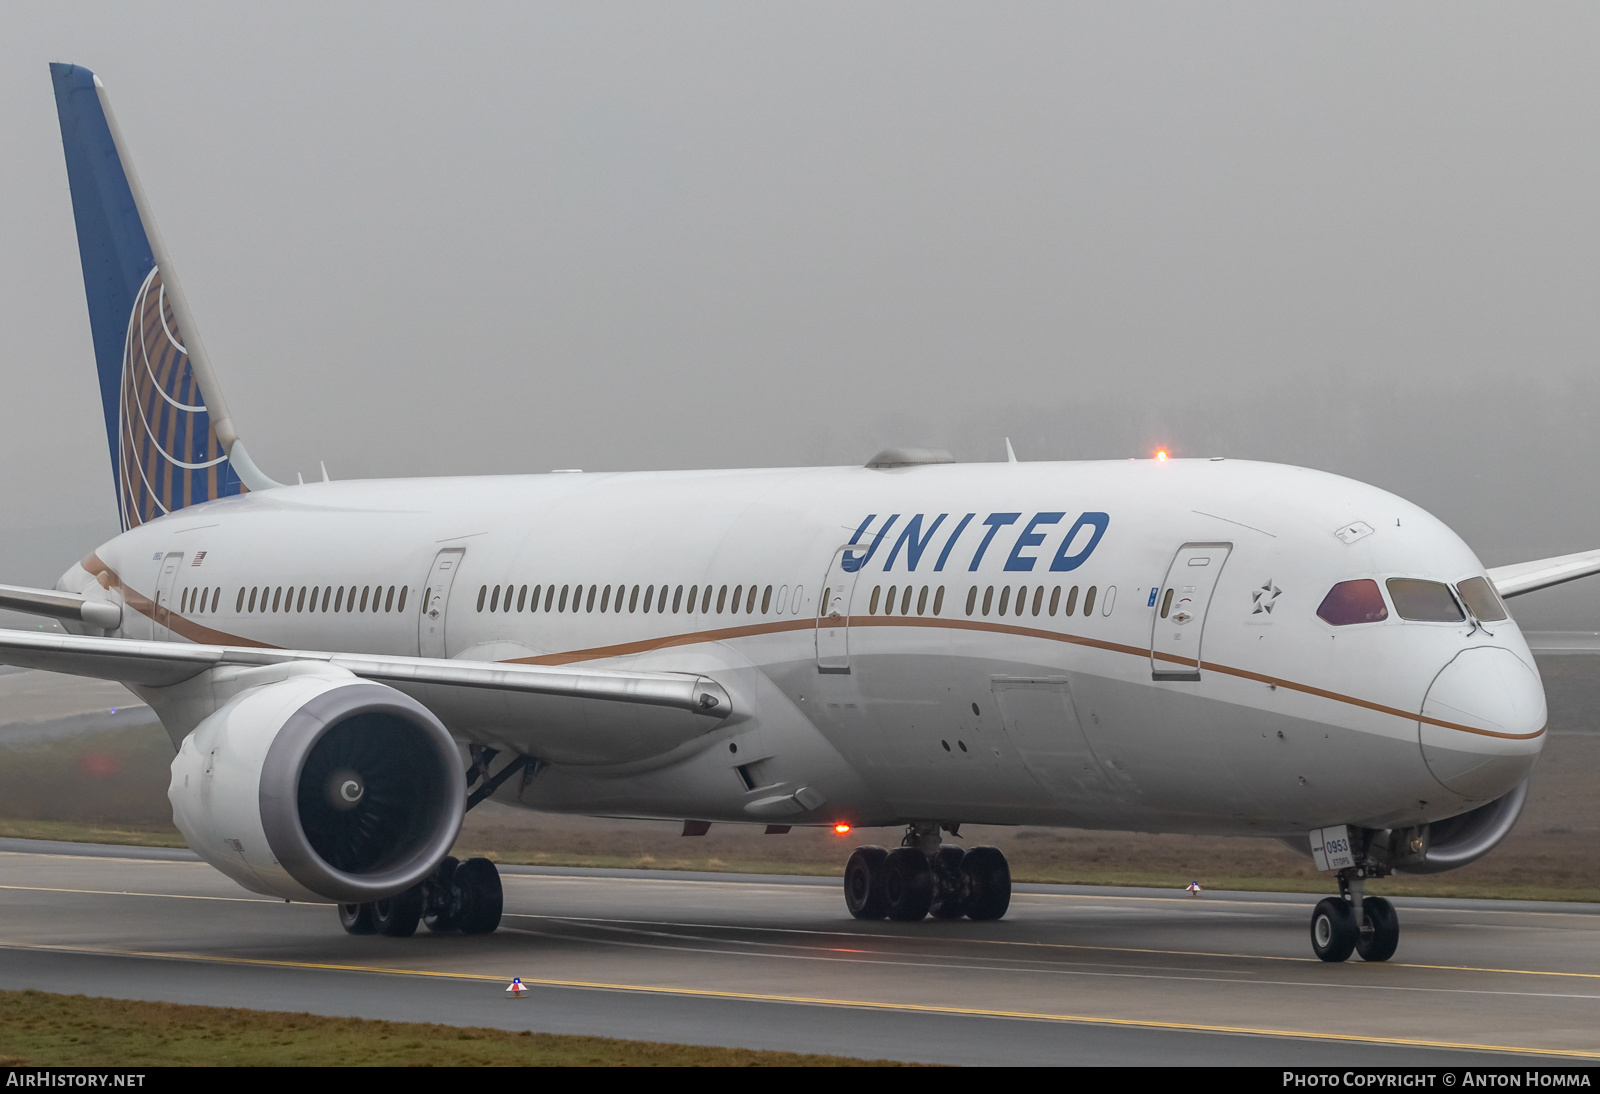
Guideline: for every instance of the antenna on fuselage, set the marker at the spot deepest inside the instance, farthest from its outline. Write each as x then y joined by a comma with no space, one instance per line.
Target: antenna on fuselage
1011,454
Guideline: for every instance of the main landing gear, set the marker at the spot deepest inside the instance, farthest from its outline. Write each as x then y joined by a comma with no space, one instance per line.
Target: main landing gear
458,897
921,878
1354,923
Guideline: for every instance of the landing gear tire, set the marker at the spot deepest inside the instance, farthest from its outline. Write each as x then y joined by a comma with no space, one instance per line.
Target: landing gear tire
439,899
949,886
1381,943
987,882
399,915
1333,929
907,885
863,883
356,918
482,899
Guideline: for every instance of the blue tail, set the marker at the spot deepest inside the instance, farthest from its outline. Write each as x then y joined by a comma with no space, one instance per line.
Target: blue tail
165,450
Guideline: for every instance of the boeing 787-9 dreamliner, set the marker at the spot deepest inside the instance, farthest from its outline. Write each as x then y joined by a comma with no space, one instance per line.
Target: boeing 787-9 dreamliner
1201,646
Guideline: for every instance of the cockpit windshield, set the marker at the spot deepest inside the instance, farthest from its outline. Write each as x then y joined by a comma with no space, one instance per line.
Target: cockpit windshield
1348,602
1482,600
1424,601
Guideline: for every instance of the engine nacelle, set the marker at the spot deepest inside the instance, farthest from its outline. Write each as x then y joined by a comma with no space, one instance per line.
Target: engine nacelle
1455,842
320,787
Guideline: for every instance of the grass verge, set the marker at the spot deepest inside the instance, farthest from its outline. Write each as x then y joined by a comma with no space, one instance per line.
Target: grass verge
38,1029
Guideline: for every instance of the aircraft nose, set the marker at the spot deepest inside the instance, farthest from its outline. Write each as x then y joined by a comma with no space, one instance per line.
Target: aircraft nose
1482,724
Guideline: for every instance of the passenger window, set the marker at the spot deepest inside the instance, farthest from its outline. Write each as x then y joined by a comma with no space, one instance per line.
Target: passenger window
562,605
238,608
1110,600
277,598
649,594
1038,600
694,594
705,601
494,600
797,601
722,598
1005,599
1072,601
403,589
367,589
988,599
938,601
783,600
549,596
327,595
633,599
872,601
905,601
738,595
605,600
1424,601
1351,602
522,598
1088,601
922,601
1481,599
388,601
338,599
483,594
972,599
300,601
1055,599
750,601
766,600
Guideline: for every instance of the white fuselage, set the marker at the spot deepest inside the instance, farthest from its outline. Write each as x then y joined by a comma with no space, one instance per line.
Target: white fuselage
923,710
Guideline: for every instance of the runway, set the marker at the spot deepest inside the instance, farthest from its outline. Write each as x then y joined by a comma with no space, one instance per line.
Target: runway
1073,975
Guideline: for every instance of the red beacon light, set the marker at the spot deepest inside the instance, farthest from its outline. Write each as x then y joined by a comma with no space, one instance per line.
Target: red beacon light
842,828
1161,455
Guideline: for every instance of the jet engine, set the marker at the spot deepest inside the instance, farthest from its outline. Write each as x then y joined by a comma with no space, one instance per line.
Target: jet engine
320,787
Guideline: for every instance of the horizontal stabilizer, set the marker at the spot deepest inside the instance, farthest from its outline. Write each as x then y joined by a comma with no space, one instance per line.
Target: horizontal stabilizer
59,605
1525,577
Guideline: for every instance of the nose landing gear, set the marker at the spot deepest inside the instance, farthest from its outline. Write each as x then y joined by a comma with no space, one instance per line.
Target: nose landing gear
922,878
1353,922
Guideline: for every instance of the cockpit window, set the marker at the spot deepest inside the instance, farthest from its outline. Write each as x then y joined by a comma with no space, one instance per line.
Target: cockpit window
1424,601
1353,602
1482,601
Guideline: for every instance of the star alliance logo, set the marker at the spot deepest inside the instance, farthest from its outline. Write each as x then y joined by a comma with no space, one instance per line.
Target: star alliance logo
1264,597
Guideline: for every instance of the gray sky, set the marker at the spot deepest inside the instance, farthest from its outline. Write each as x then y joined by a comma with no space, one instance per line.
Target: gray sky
482,238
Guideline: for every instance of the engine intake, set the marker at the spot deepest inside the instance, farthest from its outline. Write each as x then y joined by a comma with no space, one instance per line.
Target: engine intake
320,787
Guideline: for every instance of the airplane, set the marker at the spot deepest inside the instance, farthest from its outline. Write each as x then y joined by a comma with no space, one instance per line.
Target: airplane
1205,646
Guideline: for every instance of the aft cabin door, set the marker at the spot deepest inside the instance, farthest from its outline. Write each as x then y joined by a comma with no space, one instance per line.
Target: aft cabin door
833,616
436,601
166,591
1181,605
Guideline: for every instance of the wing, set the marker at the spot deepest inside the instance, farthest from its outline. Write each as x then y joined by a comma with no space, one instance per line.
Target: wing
1541,573
559,713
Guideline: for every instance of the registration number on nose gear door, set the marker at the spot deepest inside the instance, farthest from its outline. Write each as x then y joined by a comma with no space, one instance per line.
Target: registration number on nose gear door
1330,847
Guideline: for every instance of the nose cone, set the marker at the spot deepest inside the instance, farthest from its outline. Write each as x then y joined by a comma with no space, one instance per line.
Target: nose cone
1482,723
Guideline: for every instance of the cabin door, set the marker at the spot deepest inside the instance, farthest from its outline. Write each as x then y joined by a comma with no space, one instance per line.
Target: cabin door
166,590
833,615
436,600
1181,607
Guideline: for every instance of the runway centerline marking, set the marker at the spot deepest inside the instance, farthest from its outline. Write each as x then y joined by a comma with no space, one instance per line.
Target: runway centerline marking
852,1004
131,892
1049,945
1090,970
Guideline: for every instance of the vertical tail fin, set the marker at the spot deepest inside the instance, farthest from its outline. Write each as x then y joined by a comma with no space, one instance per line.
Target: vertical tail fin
172,441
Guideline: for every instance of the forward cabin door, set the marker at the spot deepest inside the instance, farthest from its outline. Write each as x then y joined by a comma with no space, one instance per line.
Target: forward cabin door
166,590
436,601
833,615
1181,608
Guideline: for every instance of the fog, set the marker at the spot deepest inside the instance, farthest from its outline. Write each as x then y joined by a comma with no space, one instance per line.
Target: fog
485,238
